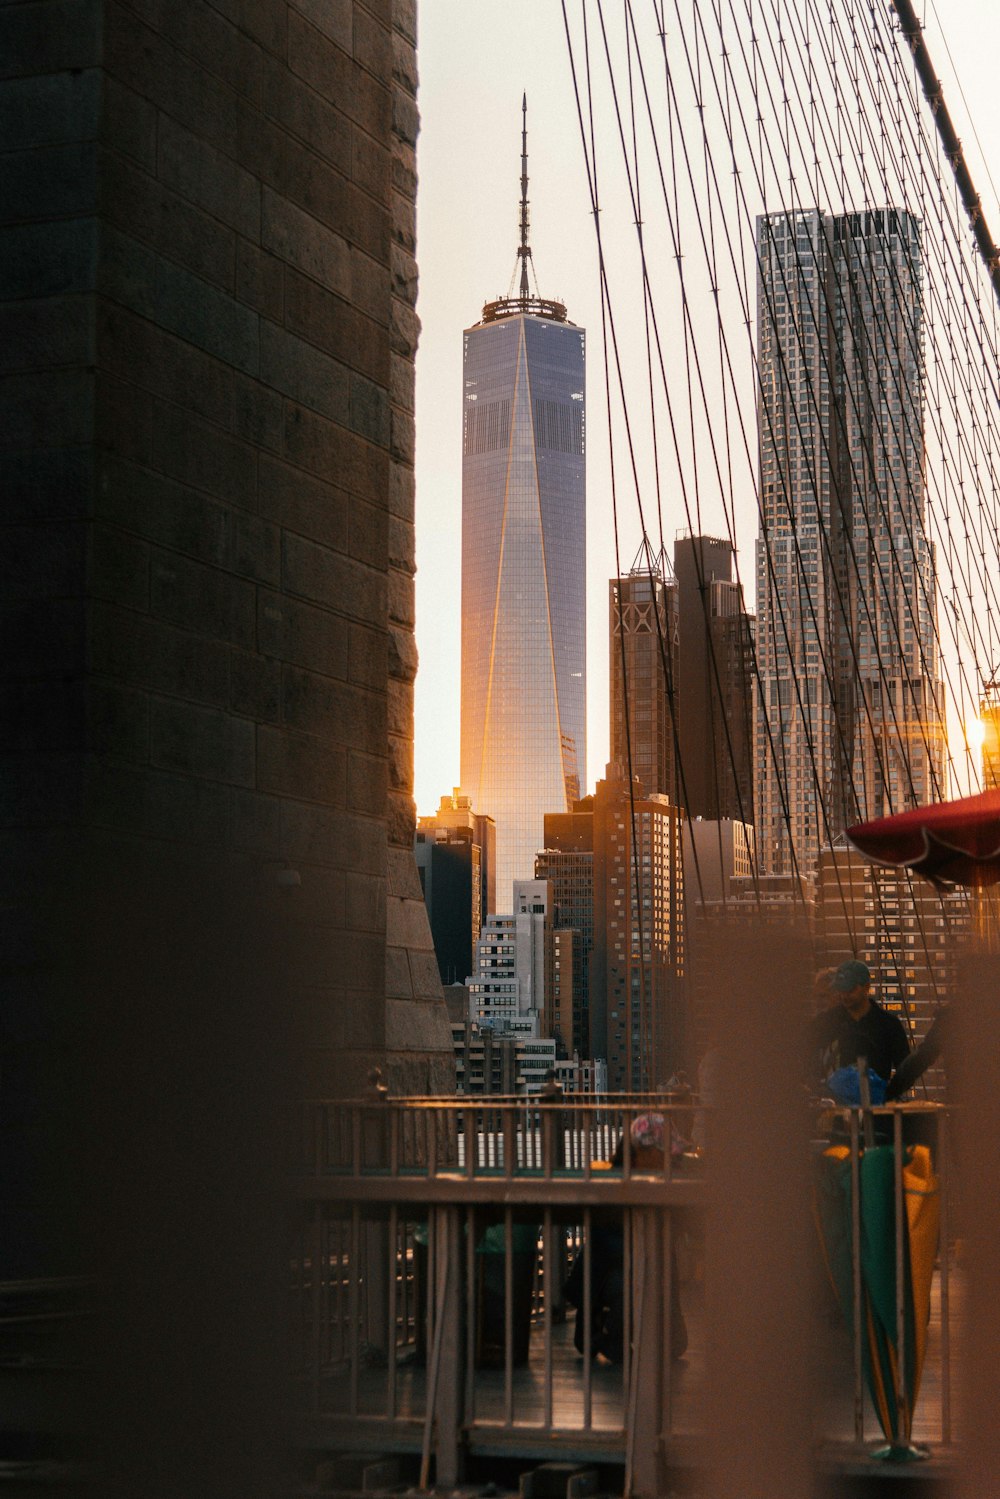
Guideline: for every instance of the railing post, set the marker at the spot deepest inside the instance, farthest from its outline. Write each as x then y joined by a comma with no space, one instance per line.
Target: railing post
446,1385
650,1352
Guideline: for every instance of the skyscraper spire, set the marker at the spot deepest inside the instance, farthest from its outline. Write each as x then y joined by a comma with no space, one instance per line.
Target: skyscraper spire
524,249
523,301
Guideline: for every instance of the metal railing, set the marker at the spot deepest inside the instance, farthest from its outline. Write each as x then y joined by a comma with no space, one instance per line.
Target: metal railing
440,1241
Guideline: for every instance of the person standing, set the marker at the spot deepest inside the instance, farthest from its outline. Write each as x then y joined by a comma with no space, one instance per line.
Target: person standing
856,1026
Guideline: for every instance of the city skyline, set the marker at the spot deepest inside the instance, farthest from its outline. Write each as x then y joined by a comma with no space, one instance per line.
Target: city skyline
465,176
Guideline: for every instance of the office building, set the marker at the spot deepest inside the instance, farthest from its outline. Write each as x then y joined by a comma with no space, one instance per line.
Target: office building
644,672
714,682
637,969
455,854
849,721
567,863
523,686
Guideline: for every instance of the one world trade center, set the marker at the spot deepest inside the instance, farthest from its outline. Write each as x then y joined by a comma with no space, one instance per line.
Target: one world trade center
523,567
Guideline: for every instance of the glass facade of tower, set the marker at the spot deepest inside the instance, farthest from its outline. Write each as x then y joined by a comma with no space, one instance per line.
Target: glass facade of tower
523,580
849,721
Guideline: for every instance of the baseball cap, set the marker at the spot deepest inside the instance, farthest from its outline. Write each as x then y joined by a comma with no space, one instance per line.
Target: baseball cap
849,975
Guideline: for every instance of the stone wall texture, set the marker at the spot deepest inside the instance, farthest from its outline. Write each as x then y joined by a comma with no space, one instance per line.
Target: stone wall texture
208,280
208,901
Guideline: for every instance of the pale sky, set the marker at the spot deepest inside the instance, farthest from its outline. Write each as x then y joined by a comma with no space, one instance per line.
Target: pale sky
476,57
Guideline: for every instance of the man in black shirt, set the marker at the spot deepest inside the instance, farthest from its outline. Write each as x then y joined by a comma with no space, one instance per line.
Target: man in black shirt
856,1026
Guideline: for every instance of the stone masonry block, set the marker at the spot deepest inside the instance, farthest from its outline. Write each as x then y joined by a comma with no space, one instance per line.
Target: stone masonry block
127,277
137,351
150,653
325,448
402,492
123,418
404,275
404,59
407,924
368,412
42,561
333,324
367,656
331,72
58,180
117,721
255,550
300,766
397,974
50,331
302,634
332,17
401,820
405,329
401,600
425,974
318,574
301,240
255,823
49,108
205,34
403,442
40,39
401,763
119,567
371,166
413,1026
365,903
165,512
371,284
143,208
48,484
258,414
130,122
204,599
42,638
260,280
150,64
367,782
304,373
405,117
300,502
46,408
404,181
369,533
403,656
200,808
372,44
399,701
402,545
204,457
46,261
404,880
208,317
331,837
267,22
305,114
255,687
404,19
201,742
333,710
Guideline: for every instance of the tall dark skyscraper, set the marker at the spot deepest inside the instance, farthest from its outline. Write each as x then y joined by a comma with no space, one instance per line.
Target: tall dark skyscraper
524,664
849,720
714,682
644,672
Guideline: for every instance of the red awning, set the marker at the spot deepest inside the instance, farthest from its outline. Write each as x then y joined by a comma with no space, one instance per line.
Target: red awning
951,843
